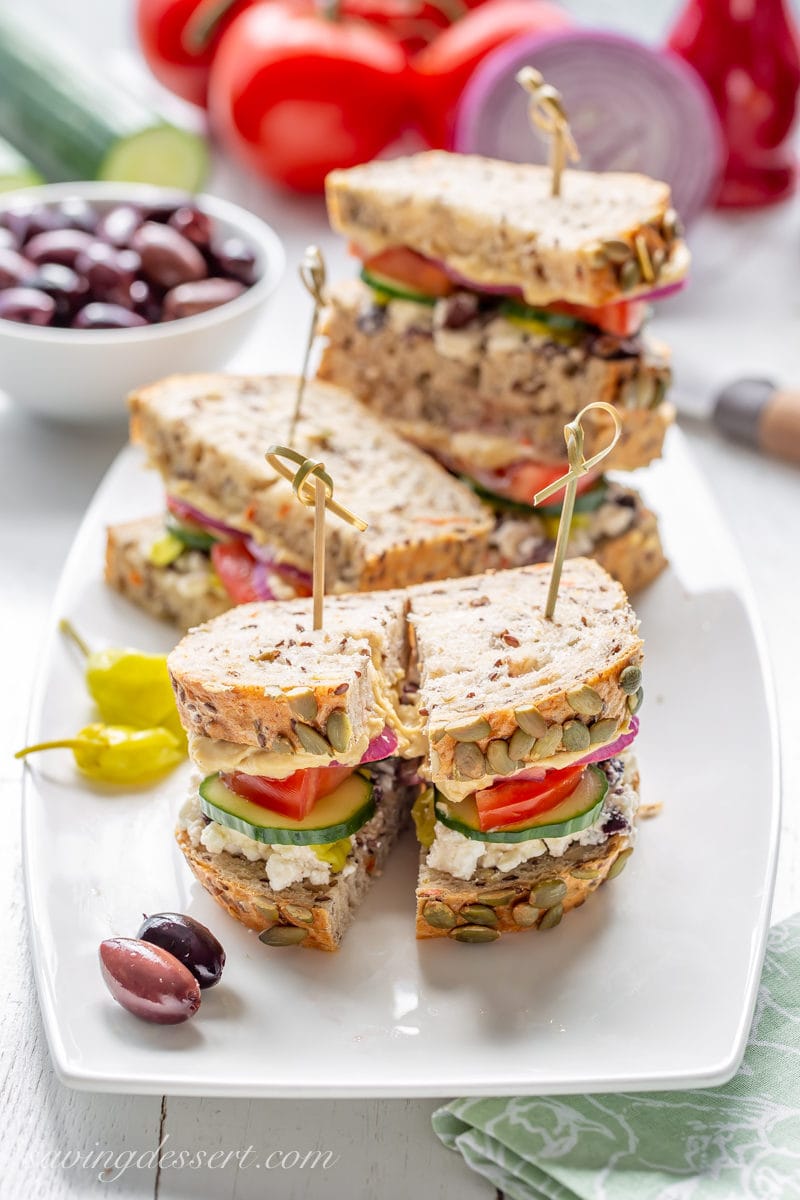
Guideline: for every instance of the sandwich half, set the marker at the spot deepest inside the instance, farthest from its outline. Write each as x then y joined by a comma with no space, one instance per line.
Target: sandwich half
235,533
306,769
532,790
488,313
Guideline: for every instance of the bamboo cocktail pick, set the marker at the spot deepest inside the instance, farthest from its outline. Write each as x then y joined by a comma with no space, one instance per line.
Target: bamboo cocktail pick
578,466
312,274
310,481
546,112
313,487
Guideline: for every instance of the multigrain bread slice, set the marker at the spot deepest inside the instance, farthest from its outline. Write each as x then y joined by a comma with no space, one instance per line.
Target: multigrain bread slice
319,914
492,666
496,224
207,436
490,391
185,592
261,677
533,894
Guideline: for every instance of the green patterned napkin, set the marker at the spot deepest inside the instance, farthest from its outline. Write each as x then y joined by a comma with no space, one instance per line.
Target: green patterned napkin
734,1142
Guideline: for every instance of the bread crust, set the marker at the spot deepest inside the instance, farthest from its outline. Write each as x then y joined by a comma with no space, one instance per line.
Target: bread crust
521,884
496,223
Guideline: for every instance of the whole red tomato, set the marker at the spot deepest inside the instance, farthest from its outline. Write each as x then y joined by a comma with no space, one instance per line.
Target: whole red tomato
442,69
294,94
178,40
414,23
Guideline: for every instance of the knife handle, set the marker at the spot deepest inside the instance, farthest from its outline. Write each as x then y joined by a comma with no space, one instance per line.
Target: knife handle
754,411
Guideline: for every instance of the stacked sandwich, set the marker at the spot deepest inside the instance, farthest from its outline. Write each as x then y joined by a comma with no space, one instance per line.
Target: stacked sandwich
488,313
506,732
233,531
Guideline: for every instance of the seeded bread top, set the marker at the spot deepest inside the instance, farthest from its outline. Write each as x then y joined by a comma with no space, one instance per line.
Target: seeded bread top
208,434
503,688
260,676
609,236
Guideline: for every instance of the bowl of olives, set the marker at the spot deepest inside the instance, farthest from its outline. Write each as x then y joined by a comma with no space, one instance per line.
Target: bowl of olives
107,286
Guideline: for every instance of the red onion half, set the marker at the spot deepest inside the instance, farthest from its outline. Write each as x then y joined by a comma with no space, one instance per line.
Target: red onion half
187,512
613,748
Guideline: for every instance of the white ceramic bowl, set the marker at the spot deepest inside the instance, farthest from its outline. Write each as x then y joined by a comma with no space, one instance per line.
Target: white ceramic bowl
82,375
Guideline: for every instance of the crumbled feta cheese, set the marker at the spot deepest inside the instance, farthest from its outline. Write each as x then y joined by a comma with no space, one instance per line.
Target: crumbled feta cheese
454,854
293,864
504,856
218,839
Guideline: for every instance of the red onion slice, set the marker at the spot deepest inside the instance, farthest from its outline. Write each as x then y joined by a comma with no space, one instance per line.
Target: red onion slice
187,512
289,572
631,108
260,582
382,746
612,749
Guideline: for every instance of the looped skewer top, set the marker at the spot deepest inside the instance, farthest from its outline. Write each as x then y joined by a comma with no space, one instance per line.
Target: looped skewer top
578,466
302,482
546,111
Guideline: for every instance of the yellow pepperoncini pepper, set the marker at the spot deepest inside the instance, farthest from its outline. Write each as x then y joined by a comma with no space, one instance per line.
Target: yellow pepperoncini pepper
118,753
424,817
335,853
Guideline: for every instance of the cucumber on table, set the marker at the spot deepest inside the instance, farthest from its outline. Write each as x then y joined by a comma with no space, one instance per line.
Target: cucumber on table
574,814
333,817
15,170
74,123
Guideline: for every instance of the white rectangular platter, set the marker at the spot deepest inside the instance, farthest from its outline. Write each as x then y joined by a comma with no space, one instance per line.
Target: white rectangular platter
649,986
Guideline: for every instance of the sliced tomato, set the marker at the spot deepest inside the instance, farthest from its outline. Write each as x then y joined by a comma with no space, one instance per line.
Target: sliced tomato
522,480
235,566
624,318
415,271
513,801
293,796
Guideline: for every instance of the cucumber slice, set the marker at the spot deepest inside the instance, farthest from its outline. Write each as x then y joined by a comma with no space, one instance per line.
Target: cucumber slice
15,170
585,503
389,289
334,816
73,122
191,535
553,322
572,815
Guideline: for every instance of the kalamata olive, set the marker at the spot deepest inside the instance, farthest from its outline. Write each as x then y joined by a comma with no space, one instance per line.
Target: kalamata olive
37,220
108,271
190,942
58,246
148,981
146,301
167,257
192,224
14,269
68,289
27,305
119,224
162,210
237,259
7,239
77,213
106,316
188,299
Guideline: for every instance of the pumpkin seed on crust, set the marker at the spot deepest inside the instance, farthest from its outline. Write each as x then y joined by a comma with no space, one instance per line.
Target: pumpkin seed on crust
312,741
547,745
525,915
267,910
548,892
531,721
474,933
521,744
339,730
479,914
439,915
499,758
630,679
476,731
552,917
630,275
585,873
283,935
469,760
617,251
620,862
575,736
500,898
303,705
635,701
601,731
585,700
298,912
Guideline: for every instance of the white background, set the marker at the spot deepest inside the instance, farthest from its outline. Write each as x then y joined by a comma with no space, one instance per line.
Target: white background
742,313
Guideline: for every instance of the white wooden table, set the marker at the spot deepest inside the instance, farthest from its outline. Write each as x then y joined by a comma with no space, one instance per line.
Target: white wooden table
742,313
